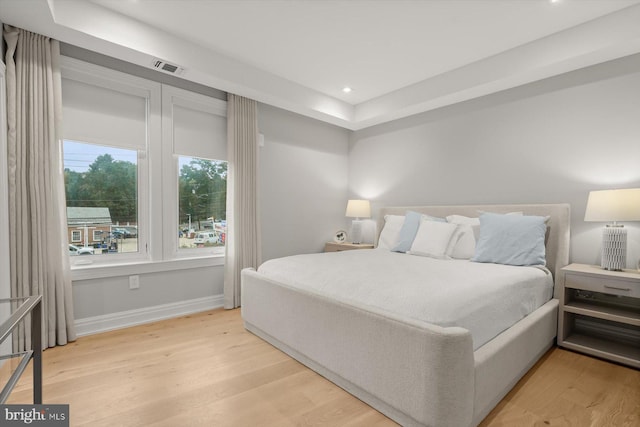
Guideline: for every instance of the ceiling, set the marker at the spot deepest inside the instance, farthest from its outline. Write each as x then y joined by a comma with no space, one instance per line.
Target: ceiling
400,57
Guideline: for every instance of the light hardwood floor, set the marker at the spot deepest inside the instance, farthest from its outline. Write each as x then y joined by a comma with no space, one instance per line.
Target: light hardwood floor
206,370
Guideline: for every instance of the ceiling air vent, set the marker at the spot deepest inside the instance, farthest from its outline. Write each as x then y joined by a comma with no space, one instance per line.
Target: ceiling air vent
167,67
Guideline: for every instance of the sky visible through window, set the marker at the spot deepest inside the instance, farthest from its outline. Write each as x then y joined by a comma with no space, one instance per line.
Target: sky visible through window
78,156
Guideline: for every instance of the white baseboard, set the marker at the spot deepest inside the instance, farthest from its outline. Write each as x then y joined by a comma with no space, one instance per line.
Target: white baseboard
124,319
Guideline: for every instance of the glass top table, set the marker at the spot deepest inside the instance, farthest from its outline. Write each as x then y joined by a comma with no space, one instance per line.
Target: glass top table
12,312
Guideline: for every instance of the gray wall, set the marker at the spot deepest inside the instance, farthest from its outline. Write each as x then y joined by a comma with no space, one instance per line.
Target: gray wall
97,297
546,142
303,182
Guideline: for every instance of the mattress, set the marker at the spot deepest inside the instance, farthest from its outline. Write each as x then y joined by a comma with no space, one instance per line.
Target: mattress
483,298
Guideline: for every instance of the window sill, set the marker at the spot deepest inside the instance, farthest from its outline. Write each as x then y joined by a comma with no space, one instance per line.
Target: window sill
88,272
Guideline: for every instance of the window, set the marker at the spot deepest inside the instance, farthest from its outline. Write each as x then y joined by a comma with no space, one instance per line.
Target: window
195,137
108,130
101,186
145,168
202,198
97,235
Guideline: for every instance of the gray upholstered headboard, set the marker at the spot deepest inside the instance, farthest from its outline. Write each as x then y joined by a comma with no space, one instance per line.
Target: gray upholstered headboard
557,247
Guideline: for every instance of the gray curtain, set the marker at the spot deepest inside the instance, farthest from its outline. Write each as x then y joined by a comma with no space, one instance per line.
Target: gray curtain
243,246
37,215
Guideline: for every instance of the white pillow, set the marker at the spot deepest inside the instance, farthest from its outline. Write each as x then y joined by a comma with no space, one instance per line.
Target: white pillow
432,238
463,243
474,223
390,231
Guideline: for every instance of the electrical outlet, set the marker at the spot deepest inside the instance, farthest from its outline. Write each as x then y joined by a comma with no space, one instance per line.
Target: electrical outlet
134,282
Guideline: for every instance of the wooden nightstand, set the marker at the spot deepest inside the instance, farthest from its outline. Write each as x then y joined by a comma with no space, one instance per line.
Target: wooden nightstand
339,247
600,313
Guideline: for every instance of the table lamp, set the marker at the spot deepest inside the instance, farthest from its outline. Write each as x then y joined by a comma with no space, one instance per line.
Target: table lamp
613,206
357,209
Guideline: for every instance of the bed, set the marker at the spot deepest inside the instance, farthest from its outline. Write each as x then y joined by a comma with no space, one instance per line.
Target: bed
417,370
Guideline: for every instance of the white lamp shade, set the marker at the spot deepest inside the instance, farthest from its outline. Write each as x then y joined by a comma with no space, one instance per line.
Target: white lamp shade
613,205
358,209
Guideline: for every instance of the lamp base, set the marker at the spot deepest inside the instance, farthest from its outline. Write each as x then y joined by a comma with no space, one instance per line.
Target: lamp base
356,231
614,248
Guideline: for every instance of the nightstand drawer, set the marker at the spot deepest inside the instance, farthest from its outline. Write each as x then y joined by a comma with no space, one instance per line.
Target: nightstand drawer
613,286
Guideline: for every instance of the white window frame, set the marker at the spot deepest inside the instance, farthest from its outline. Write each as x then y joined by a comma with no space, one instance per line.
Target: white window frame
172,96
96,235
76,239
150,91
157,179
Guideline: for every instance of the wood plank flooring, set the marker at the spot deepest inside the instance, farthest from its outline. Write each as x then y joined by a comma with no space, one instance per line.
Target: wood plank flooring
206,370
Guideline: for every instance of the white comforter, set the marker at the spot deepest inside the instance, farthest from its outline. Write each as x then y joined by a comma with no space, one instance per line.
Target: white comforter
485,299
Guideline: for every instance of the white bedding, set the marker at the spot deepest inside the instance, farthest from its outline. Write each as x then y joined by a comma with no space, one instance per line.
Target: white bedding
483,298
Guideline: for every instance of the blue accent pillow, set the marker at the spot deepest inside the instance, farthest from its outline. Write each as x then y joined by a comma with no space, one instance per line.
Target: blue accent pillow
409,230
511,239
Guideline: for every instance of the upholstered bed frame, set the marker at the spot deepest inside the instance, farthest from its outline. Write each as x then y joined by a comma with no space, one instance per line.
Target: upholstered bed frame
414,372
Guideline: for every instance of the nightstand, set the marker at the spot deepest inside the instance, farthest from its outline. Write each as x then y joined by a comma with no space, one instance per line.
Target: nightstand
600,313
339,247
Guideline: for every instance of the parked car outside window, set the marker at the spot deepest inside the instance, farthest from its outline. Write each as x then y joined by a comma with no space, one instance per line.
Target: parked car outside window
124,233
130,231
77,250
205,237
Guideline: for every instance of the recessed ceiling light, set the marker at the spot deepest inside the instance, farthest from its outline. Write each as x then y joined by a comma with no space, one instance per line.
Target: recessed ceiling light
554,1
346,89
